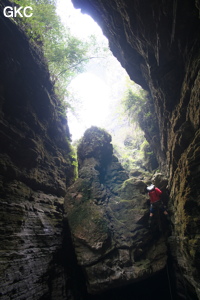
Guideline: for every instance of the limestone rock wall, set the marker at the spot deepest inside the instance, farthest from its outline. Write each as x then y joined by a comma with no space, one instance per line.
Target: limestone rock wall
35,168
108,217
158,43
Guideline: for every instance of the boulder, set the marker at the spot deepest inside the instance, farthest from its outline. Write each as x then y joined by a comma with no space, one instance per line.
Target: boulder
108,218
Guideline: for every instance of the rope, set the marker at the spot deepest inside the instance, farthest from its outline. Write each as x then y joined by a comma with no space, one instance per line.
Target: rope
168,277
169,283
159,219
183,279
161,230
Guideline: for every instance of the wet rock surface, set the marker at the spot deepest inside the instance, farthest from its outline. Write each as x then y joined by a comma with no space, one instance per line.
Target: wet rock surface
35,168
108,217
158,43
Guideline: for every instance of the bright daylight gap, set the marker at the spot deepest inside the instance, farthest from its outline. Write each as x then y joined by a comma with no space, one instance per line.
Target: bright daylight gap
99,91
103,81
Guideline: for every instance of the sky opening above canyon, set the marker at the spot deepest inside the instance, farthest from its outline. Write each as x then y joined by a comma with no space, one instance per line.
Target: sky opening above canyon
96,89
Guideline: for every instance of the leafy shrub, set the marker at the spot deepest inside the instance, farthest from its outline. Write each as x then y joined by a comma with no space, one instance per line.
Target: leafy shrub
64,53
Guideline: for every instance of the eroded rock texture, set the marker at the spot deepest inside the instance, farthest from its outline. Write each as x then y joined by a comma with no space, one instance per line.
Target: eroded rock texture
108,217
35,168
158,43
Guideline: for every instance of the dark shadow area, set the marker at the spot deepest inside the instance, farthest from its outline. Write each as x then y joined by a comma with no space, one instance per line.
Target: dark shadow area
75,280
160,286
156,288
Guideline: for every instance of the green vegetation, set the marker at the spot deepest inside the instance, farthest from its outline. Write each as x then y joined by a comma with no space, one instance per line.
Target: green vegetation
64,53
129,152
73,155
138,107
66,56
138,116
133,102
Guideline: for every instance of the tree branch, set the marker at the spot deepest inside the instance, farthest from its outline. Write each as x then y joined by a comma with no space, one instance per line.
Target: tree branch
80,61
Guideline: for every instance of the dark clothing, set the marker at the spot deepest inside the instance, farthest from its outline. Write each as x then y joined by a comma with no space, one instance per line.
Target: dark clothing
157,205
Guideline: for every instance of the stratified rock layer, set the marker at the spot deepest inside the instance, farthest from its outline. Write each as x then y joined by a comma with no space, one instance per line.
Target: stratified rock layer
108,218
35,167
158,43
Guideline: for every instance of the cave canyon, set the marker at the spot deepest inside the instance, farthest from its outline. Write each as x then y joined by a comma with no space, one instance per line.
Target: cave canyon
64,239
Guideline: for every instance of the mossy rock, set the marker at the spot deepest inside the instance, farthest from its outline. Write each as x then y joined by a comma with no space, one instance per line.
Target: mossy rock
132,189
96,143
89,225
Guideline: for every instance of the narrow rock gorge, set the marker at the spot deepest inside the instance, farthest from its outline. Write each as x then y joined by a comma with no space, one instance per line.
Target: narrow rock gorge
36,167
157,42
59,235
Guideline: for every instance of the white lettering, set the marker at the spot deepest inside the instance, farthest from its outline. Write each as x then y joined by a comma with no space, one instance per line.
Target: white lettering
10,12
17,11
25,9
